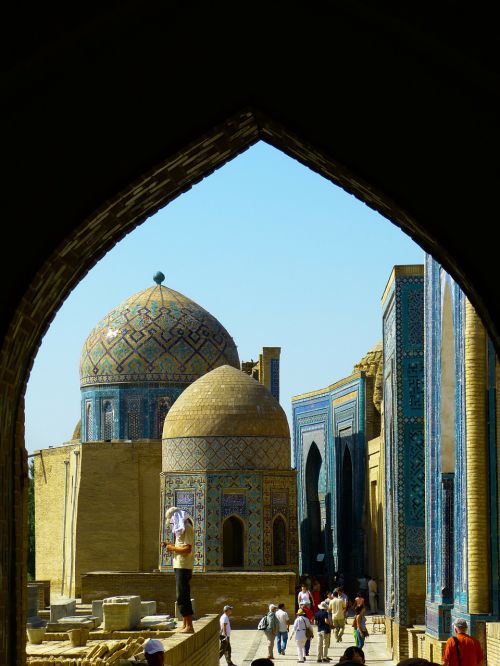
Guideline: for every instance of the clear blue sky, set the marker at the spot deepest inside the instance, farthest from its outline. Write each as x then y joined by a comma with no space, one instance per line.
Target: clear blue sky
278,254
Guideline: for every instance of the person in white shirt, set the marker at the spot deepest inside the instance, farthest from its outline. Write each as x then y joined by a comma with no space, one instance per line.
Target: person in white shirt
284,621
299,629
182,527
225,633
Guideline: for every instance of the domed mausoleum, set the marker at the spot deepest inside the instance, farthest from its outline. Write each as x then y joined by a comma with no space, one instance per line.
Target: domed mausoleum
102,488
226,460
141,356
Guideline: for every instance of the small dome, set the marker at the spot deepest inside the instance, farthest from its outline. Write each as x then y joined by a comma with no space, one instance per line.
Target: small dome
156,335
226,402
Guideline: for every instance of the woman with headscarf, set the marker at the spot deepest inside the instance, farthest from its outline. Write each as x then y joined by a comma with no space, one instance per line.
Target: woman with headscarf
182,527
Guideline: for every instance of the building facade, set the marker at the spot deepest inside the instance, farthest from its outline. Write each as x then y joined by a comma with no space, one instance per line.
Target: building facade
403,416
462,468
332,428
226,460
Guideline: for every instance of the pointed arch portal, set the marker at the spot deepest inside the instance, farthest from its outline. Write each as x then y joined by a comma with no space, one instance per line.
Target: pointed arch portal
233,535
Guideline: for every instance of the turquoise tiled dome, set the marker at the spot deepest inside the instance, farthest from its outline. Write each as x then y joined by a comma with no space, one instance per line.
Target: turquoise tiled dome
156,335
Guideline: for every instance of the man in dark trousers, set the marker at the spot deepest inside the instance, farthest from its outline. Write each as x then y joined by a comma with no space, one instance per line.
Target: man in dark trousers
182,527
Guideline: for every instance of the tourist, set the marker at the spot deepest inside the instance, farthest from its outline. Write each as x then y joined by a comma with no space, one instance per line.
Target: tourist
299,629
154,652
324,630
352,657
225,635
372,594
345,599
471,653
310,616
316,594
359,600
359,626
337,609
182,527
363,586
262,661
304,596
272,629
284,621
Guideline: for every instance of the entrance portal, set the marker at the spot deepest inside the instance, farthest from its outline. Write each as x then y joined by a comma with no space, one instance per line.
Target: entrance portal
232,542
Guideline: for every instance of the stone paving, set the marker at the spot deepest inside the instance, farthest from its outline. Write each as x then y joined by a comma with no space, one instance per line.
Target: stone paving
248,644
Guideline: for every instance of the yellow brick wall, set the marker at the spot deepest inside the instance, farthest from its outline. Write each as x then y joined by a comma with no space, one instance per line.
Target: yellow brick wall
50,472
249,592
416,587
398,641
116,513
431,648
493,642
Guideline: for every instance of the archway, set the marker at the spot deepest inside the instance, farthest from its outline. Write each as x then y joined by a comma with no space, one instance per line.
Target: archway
233,542
279,542
73,238
346,514
314,532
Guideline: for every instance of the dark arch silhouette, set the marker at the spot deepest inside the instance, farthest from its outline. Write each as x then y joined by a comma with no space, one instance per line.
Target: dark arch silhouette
313,467
233,540
279,541
64,230
346,513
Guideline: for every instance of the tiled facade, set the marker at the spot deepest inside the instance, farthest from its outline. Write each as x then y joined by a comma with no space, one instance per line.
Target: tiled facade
226,456
328,428
450,554
403,414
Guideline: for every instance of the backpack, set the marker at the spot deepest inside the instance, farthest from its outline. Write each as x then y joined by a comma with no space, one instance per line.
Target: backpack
262,623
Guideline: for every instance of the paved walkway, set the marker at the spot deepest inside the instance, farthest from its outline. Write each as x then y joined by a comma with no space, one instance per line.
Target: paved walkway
248,644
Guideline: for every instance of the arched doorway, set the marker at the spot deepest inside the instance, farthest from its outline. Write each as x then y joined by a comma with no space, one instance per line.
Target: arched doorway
346,514
279,542
233,542
313,509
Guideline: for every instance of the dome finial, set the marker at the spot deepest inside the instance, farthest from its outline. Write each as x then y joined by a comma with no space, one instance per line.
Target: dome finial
158,277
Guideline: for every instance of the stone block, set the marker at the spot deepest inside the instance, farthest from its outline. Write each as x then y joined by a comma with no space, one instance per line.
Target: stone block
97,609
33,600
62,608
158,622
148,608
74,622
121,613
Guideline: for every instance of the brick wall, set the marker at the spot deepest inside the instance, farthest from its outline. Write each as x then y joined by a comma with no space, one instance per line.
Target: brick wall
493,642
117,512
249,592
416,593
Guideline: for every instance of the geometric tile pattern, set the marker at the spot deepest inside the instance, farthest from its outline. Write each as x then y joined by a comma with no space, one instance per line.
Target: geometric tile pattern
191,490
156,335
218,453
404,363
219,487
276,492
256,498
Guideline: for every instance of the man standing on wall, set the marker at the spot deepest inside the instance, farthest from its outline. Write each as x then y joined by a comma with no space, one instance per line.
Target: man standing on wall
182,527
462,649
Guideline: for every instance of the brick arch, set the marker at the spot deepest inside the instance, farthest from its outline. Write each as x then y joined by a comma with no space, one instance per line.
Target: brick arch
71,261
